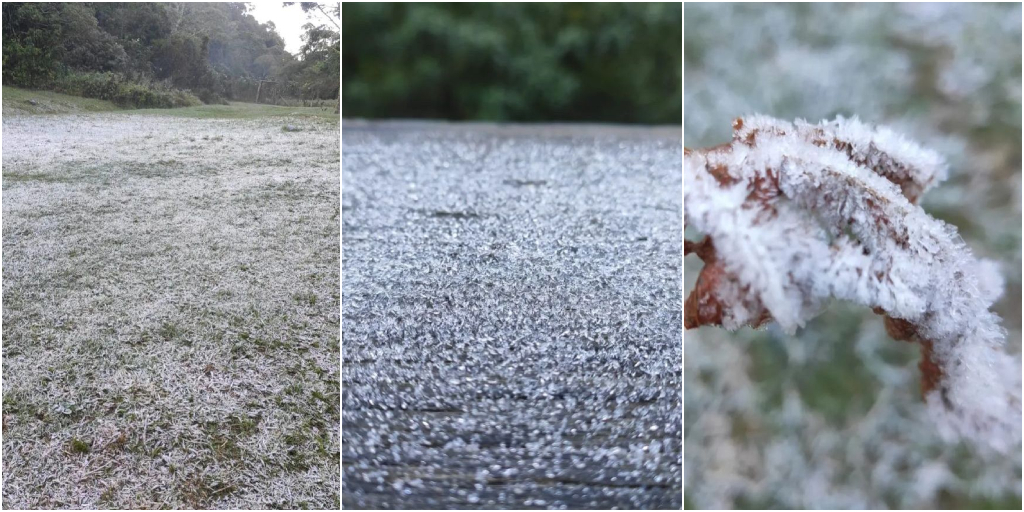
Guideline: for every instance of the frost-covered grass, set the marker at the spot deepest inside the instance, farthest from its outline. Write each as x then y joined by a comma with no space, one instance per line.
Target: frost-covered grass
170,312
832,417
511,316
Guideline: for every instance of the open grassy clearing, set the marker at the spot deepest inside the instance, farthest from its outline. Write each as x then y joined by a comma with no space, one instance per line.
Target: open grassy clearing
238,110
18,101
170,310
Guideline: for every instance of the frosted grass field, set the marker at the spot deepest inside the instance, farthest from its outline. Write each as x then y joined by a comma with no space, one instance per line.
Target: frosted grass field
832,417
512,316
170,311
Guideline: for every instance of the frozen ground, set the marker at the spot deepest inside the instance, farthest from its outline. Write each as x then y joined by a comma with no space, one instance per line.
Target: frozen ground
511,316
170,312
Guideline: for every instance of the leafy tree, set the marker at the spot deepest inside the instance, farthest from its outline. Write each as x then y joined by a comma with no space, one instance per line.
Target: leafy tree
182,59
318,70
31,43
85,45
215,50
321,62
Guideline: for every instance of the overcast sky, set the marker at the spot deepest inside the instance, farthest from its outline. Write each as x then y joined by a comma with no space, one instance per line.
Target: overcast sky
288,20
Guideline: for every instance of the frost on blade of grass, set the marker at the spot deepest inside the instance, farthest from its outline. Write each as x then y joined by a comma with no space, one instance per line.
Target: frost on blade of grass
796,214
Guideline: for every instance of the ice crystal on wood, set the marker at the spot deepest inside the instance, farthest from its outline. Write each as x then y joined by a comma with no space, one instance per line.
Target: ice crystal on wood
796,213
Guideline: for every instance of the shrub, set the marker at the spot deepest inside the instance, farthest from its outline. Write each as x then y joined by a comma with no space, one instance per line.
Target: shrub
123,92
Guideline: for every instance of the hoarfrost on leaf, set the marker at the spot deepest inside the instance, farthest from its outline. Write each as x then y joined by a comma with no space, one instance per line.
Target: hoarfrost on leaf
797,214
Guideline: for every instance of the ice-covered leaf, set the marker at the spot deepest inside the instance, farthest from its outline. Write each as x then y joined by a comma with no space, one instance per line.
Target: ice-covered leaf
797,214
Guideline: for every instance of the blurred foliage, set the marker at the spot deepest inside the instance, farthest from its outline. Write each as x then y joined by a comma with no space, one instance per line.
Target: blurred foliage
614,62
215,51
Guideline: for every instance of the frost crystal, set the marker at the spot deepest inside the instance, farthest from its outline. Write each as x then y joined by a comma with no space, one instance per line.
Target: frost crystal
798,213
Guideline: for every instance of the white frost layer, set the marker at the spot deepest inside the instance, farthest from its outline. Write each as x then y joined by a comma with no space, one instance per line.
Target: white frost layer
843,230
898,159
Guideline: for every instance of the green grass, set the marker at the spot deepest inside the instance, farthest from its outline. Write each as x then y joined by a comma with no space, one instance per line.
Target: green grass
79,446
240,110
27,177
16,102
833,381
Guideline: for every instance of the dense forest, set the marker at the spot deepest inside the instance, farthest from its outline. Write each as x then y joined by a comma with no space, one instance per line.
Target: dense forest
612,62
167,54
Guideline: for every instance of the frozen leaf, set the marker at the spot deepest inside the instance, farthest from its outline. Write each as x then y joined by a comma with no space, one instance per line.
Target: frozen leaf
797,214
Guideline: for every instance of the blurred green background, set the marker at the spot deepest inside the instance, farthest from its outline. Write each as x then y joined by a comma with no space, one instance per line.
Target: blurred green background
833,417
613,62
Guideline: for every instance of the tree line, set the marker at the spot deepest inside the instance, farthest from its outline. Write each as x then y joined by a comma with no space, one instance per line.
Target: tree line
165,52
612,62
